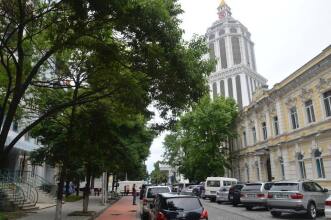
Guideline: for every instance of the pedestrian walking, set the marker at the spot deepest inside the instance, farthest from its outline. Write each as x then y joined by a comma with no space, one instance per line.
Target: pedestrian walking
134,194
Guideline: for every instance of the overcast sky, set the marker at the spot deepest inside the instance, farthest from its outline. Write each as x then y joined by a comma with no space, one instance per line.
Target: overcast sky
286,33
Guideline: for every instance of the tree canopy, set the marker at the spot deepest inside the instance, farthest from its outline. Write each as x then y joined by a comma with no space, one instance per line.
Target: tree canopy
199,144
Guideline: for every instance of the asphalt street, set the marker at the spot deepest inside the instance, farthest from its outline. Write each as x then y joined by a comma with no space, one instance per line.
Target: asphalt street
228,212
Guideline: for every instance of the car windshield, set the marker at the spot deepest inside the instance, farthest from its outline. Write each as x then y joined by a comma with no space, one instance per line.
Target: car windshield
285,187
183,204
152,192
213,183
252,187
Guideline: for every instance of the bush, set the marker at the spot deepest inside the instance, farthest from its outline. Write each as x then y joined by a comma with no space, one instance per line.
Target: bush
71,198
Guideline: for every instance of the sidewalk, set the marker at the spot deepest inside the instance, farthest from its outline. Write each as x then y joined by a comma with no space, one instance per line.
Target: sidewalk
69,207
122,210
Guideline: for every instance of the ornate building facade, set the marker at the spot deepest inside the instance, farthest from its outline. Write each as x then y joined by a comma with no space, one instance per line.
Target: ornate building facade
285,133
230,46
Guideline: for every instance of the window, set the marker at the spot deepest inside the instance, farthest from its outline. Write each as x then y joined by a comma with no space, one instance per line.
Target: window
233,30
222,88
254,135
213,183
236,50
264,131
221,32
244,139
239,95
282,168
319,164
310,111
230,87
276,125
327,103
214,90
223,53
302,167
294,118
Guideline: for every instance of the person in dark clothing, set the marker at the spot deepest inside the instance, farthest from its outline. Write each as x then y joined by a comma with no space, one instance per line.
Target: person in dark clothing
134,194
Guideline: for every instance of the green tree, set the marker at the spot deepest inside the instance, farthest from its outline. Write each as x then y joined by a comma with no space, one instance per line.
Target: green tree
158,176
199,144
139,41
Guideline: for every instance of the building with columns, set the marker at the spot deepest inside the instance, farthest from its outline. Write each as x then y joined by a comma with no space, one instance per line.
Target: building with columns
285,133
230,45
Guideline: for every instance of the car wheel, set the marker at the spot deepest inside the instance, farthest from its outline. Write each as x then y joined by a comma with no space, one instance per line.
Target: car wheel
312,212
276,214
249,208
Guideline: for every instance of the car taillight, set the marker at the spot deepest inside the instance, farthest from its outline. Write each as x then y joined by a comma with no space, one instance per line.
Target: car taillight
296,196
145,201
328,203
160,216
270,196
204,214
260,195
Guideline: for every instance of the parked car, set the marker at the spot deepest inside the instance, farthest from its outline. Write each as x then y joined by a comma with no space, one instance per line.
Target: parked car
255,194
213,184
189,189
296,197
149,197
198,190
174,206
327,209
143,190
235,193
223,194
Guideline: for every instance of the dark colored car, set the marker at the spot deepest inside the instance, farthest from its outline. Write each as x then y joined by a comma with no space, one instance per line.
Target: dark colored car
143,190
235,194
197,191
174,206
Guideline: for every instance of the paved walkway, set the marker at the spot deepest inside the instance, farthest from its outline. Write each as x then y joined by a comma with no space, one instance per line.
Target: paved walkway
69,207
122,210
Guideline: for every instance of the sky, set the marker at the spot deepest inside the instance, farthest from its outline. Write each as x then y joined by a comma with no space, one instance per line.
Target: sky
286,33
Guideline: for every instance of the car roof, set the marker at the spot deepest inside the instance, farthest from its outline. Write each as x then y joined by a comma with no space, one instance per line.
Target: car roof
176,195
149,187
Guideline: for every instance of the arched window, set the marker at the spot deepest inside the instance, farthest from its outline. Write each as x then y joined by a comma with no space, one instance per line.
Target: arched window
222,88
233,30
214,90
327,103
302,167
230,87
236,50
223,53
319,164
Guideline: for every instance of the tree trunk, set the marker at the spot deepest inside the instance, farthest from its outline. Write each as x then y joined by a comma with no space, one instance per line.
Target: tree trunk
77,187
87,191
58,212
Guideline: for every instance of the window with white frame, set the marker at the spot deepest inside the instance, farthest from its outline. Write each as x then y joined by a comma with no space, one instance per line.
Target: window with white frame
254,135
302,167
244,139
282,168
264,131
294,118
310,111
319,164
276,125
327,103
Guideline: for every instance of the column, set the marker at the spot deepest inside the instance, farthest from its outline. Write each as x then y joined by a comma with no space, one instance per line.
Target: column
244,90
280,116
234,86
229,54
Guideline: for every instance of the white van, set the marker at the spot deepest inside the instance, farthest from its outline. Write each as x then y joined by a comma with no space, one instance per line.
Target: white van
213,184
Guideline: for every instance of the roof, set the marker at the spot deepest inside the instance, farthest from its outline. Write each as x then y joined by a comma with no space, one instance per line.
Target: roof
175,195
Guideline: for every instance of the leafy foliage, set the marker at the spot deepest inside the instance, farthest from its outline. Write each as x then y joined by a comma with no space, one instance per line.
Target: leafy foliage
199,144
157,176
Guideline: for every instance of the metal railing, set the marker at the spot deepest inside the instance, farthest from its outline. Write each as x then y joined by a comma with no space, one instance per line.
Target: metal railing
11,192
23,187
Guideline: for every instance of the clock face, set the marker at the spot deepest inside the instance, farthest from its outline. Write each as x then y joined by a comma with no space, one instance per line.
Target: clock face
222,14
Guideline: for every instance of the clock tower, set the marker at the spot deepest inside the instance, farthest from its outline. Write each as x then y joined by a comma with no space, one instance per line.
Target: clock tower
231,46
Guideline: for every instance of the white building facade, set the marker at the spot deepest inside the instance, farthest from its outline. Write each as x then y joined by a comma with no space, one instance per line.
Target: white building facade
230,46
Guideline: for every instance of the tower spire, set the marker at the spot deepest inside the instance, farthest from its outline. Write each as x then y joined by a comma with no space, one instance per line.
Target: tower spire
223,10
222,3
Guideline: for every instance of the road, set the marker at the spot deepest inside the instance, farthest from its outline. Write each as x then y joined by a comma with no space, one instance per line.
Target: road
228,212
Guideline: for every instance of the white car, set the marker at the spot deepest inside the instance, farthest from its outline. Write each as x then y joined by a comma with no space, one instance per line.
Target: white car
327,209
